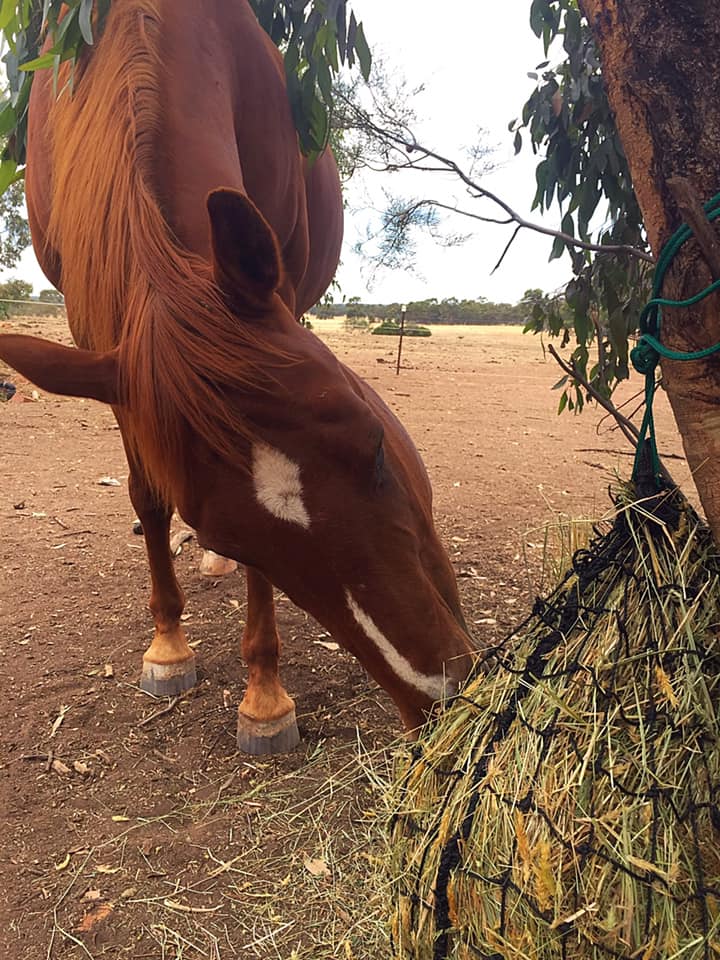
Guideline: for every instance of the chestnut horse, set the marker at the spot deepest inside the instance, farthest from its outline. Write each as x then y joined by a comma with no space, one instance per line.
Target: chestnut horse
169,201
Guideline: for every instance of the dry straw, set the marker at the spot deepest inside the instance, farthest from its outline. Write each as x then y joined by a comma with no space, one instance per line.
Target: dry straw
566,805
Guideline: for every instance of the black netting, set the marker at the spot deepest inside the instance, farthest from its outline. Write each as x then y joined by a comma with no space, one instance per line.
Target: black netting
566,803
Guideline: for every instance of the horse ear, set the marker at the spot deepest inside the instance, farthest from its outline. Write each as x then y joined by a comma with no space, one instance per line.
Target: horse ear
246,256
65,370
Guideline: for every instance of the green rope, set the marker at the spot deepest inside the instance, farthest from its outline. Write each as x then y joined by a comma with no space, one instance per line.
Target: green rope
646,355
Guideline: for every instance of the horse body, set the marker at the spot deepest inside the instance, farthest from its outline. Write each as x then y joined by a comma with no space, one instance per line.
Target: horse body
168,199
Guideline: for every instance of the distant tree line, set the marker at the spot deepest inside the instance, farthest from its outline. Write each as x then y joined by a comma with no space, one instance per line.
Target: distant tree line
16,299
451,310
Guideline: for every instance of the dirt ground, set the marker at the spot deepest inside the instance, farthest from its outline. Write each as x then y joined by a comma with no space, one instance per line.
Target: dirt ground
134,830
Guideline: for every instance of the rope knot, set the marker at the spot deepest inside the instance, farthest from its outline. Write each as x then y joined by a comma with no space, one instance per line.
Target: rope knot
644,357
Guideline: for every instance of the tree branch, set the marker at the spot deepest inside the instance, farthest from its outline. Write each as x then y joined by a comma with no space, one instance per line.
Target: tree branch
515,232
404,141
627,427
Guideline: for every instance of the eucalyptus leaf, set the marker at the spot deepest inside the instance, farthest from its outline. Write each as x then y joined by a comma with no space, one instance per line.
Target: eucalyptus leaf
8,174
8,118
324,81
7,12
85,21
558,248
341,30
39,63
293,25
351,34
363,52
583,172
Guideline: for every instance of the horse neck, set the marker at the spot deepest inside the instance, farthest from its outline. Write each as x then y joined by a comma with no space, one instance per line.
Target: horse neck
128,282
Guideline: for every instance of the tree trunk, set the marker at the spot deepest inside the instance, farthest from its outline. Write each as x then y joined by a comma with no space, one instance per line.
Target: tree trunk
661,65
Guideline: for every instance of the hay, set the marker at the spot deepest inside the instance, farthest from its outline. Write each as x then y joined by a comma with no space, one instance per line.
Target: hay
566,804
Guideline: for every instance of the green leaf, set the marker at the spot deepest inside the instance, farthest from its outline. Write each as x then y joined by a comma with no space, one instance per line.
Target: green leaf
8,174
292,61
324,80
363,52
331,50
341,30
550,180
85,20
7,12
538,9
39,63
56,74
573,37
351,35
541,172
320,125
558,248
8,118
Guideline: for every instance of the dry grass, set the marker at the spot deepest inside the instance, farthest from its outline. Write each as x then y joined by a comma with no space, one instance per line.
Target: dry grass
561,539
566,805
295,880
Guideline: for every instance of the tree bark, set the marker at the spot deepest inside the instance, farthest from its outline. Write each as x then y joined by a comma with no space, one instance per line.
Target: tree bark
661,65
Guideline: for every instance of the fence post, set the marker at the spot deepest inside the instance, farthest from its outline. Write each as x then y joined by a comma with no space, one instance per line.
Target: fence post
403,311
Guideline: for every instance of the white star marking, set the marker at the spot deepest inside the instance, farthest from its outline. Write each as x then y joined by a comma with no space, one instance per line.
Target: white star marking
278,487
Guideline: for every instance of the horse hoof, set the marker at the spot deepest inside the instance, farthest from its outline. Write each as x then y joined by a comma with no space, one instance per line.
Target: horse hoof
213,565
168,679
261,738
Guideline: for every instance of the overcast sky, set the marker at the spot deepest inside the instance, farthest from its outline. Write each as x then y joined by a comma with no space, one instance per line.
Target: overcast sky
473,58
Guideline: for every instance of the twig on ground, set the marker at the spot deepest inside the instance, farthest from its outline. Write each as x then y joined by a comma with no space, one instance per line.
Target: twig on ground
160,713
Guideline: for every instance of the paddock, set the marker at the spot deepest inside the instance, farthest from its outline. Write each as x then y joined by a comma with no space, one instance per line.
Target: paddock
132,825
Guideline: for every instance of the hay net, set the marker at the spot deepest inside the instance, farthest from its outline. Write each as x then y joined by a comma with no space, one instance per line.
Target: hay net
565,805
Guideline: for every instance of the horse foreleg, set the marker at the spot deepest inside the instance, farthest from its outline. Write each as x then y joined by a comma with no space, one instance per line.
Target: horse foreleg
168,663
266,716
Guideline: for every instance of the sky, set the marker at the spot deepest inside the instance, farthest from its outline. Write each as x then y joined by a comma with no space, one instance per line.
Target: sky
473,59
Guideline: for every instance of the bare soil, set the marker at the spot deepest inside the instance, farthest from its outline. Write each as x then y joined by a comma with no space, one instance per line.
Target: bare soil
134,830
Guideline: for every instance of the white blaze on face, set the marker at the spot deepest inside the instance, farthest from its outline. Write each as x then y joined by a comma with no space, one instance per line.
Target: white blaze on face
278,488
434,687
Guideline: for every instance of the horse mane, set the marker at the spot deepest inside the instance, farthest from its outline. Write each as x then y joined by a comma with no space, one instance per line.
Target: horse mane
128,283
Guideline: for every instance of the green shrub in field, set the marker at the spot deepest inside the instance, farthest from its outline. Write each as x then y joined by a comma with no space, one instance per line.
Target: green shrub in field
390,328
356,323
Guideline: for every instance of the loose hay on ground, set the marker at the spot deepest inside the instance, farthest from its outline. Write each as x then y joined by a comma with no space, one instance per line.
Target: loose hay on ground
246,887
566,805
